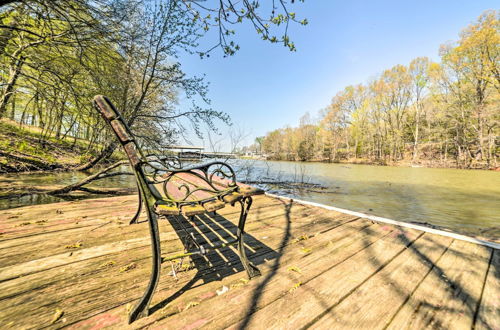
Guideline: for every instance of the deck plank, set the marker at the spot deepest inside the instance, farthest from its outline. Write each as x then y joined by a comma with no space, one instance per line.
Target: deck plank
448,297
316,264
488,316
374,303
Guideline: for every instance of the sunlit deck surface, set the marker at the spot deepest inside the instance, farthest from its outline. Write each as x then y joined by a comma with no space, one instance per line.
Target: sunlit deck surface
80,265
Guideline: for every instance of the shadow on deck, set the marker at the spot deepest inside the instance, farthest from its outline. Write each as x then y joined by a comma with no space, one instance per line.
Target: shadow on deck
79,265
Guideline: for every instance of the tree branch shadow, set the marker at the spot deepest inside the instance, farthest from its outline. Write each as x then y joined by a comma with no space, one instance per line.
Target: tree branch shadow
209,229
257,292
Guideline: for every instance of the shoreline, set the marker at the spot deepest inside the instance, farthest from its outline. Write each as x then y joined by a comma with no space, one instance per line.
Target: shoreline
426,164
428,229
359,161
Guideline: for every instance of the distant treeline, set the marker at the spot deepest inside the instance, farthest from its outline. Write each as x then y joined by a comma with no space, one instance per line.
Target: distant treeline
447,112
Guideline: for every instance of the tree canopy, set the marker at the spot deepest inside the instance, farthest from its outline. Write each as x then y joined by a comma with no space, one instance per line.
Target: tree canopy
423,111
55,55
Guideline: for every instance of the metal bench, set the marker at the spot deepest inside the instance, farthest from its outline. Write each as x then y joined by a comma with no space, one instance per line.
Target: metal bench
167,189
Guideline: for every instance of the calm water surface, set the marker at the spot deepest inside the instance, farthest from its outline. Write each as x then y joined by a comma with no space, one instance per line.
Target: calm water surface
462,200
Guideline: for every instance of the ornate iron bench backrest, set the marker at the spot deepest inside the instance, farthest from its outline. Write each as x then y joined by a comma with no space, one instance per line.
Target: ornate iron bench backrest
158,174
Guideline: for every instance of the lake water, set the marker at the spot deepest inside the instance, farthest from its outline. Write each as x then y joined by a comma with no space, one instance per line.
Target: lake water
466,201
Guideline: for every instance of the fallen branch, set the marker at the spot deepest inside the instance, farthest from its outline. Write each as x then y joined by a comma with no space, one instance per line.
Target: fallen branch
290,183
97,191
99,175
109,175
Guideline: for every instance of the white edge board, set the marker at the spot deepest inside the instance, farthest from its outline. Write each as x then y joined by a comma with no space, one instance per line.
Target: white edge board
492,245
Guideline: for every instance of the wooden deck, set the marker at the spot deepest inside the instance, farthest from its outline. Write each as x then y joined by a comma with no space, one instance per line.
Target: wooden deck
80,265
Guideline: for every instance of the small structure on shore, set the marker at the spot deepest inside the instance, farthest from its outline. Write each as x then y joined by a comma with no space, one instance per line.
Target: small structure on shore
187,152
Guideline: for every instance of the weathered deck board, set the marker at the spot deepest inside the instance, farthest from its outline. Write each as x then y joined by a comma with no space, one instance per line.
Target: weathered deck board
488,315
367,307
320,268
458,277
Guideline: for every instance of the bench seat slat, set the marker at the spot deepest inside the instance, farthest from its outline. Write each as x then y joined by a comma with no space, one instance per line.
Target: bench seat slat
190,210
163,208
244,189
232,197
214,205
251,191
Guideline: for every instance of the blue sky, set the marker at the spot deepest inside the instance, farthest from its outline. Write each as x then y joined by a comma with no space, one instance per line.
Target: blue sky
265,86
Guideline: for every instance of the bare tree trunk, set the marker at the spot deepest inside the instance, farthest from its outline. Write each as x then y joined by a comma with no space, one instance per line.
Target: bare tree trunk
480,132
416,135
21,121
15,70
13,109
73,122
105,153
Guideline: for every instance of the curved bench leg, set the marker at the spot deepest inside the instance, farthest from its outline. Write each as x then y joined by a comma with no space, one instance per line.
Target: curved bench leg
139,208
251,269
142,307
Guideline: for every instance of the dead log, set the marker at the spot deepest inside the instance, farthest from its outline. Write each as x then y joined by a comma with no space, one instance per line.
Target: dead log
97,176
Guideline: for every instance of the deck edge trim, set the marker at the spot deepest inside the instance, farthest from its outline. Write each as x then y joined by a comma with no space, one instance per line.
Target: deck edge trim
492,245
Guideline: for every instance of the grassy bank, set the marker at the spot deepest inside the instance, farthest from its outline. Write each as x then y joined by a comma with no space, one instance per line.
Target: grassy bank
25,149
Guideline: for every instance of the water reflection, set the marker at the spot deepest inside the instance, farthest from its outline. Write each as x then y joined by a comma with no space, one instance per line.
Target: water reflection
8,203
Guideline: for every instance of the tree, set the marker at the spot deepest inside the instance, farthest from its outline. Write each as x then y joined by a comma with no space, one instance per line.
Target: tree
57,54
474,60
258,141
418,71
425,111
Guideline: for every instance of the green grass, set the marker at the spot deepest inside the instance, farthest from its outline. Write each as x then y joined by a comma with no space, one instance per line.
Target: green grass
29,142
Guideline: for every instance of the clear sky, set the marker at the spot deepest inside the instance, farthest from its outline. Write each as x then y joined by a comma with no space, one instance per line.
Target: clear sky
265,86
